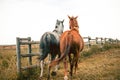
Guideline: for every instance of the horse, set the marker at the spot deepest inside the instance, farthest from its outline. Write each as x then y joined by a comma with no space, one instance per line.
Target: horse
71,44
50,44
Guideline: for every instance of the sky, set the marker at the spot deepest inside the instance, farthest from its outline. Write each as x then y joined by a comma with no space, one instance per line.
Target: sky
32,18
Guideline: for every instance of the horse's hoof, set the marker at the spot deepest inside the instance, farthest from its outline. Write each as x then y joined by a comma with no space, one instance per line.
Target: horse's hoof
65,78
53,73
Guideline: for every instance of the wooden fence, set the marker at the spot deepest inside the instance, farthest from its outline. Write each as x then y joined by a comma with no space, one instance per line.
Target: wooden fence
27,41
98,41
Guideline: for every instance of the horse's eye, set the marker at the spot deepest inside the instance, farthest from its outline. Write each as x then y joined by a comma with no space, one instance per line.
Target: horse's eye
56,26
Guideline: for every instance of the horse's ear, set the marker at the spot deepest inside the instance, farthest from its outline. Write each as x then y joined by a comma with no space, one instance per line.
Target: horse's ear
57,20
76,17
63,20
69,17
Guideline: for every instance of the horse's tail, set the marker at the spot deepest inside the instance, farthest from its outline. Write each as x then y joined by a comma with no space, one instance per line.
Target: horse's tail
67,44
45,40
44,45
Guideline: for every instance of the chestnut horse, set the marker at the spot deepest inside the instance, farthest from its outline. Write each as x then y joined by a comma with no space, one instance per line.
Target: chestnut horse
71,44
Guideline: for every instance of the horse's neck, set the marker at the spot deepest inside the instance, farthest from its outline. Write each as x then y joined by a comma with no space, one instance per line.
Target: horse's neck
75,28
56,31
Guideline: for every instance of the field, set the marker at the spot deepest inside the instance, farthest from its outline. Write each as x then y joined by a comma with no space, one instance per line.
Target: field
95,63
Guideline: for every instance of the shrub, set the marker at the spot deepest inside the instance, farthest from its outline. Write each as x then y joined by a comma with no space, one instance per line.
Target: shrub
94,49
110,46
107,46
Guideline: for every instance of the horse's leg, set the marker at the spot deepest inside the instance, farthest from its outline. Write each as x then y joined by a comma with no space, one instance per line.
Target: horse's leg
49,58
71,59
66,69
42,57
76,66
41,66
49,68
53,57
76,61
57,66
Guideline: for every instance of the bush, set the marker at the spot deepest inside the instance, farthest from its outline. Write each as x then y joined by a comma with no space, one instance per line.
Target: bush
110,46
94,49
107,46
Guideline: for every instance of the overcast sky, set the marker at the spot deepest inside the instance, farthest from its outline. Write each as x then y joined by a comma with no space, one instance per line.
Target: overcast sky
31,18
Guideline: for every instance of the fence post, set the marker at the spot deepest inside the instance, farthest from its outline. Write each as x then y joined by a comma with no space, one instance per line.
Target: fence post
105,40
101,41
89,38
18,51
96,40
29,51
116,41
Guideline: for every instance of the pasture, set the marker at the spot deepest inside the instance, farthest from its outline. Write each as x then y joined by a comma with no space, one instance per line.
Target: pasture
95,63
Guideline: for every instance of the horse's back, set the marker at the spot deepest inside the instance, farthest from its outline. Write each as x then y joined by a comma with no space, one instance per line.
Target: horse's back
49,44
49,39
75,40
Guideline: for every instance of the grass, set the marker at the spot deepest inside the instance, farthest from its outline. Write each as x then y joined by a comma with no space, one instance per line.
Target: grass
98,48
7,65
96,63
103,66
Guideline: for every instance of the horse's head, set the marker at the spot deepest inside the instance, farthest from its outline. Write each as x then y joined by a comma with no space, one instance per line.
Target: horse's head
59,26
73,22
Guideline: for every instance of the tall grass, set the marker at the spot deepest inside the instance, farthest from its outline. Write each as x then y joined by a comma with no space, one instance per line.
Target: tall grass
7,65
99,48
100,67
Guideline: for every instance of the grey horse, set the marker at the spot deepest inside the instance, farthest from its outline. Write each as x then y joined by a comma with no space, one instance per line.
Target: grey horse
50,44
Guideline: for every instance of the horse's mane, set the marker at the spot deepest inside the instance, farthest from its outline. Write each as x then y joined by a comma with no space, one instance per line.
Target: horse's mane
76,29
57,31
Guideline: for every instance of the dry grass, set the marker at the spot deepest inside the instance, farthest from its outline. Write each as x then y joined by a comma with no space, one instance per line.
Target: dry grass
102,65
7,65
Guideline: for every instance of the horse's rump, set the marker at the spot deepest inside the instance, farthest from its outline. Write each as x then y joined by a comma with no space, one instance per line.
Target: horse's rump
71,38
48,44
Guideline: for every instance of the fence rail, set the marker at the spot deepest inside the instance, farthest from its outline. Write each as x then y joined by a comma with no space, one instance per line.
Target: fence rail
29,55
90,42
27,41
